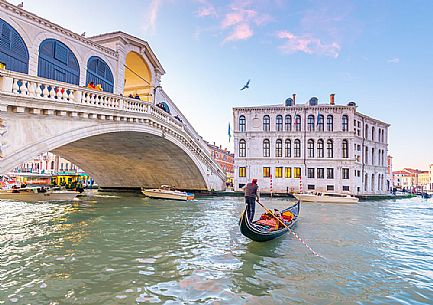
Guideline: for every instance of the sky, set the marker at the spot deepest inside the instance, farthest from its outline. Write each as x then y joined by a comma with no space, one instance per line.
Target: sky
378,53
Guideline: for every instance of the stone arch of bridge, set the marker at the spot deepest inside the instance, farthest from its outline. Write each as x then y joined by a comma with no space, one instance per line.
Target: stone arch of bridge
124,155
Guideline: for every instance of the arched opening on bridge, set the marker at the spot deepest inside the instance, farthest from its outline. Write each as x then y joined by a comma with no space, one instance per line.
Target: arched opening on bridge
99,72
58,62
14,55
138,78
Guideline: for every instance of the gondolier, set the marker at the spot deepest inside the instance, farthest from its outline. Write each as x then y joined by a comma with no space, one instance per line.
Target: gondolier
251,195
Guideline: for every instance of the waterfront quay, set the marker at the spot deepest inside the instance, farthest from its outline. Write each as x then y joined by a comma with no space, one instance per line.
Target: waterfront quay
123,249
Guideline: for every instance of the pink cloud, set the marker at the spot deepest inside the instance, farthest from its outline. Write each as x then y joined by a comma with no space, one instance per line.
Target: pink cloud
241,32
206,9
307,44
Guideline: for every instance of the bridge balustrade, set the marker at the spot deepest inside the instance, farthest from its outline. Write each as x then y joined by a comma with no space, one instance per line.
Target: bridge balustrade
24,85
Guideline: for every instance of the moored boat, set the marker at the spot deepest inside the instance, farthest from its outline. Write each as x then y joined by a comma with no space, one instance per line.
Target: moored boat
37,194
327,197
165,192
261,233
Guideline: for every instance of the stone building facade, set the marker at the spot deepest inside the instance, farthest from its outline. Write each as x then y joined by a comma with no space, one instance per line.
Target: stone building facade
222,156
324,147
47,163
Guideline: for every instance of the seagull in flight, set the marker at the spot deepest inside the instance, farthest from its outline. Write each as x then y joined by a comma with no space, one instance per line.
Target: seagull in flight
246,86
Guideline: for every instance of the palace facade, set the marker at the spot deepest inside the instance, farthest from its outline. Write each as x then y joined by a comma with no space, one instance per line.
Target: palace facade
317,147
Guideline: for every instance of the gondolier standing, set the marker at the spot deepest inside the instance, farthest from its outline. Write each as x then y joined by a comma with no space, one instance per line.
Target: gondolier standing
251,195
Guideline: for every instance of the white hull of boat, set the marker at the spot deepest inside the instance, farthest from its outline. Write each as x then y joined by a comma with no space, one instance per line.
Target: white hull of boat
325,199
31,196
171,195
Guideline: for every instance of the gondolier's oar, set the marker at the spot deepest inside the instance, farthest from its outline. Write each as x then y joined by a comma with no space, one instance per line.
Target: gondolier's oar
290,230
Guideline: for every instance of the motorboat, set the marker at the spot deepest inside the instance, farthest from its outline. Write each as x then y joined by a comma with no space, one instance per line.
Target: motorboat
165,192
32,194
326,197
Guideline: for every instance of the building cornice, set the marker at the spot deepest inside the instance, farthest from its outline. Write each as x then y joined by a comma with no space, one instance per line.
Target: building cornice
293,108
44,22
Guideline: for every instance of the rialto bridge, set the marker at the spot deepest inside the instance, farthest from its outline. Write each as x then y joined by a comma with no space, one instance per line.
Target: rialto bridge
47,105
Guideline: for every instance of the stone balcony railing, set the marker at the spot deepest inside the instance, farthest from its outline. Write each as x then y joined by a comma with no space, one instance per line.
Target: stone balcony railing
62,94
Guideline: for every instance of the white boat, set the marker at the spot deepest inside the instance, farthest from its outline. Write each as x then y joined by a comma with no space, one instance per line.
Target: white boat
37,194
327,197
165,192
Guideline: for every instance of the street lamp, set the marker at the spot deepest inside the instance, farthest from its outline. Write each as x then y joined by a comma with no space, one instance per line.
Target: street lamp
154,94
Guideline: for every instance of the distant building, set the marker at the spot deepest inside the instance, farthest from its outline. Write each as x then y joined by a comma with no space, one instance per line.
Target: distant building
389,170
331,147
223,157
411,179
431,177
47,163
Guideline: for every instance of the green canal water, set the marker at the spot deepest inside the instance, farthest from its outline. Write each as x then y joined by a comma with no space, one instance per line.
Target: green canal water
125,249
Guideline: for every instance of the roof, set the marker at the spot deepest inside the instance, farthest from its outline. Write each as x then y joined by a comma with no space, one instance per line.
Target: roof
128,38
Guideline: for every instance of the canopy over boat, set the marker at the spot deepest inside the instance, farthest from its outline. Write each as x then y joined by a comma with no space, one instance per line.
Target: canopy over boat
261,233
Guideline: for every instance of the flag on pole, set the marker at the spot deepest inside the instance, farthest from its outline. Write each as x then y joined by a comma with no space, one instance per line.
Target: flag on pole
229,132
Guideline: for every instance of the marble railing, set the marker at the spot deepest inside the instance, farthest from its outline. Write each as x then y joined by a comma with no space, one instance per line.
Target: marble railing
23,85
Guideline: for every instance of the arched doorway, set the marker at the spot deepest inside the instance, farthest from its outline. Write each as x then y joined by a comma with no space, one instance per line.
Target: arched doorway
138,78
57,62
13,51
100,73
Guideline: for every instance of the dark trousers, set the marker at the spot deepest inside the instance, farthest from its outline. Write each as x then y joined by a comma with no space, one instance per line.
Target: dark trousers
251,207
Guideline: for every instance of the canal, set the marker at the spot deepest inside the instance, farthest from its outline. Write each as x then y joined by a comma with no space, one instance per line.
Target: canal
126,249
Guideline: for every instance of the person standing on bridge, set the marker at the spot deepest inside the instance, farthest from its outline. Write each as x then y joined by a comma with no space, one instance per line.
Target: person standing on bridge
251,195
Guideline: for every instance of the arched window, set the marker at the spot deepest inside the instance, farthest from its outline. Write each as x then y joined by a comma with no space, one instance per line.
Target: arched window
372,133
345,122
279,123
297,148
266,148
330,123
57,62
345,149
320,148
310,148
242,124
279,148
330,148
311,122
366,132
288,148
242,148
320,122
13,51
266,123
99,72
52,165
288,122
298,122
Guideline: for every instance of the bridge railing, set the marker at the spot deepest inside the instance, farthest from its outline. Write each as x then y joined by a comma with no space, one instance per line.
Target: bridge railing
24,85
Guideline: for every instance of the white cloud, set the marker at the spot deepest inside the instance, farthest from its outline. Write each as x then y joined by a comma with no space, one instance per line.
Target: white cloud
394,60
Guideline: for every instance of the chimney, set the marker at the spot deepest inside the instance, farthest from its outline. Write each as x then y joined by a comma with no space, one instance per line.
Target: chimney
331,99
294,98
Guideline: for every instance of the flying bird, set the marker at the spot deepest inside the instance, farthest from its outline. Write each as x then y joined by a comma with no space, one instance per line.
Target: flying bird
246,86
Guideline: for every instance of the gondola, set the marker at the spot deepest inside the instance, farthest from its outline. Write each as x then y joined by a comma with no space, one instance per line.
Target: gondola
260,233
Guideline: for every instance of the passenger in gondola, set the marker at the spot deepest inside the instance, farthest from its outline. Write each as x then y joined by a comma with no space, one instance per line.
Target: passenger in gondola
251,195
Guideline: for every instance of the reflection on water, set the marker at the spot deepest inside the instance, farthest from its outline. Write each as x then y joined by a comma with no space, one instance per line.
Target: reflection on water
117,249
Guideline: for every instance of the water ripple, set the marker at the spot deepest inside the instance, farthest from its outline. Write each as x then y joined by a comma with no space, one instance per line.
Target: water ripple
119,249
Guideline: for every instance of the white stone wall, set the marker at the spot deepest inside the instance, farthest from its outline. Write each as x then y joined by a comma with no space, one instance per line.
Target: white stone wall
358,168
